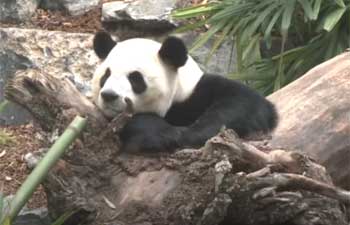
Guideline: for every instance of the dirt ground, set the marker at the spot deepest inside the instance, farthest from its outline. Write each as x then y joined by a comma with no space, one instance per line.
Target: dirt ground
89,22
15,142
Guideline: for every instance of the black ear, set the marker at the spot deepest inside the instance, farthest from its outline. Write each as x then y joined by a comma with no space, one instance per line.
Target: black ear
173,52
103,44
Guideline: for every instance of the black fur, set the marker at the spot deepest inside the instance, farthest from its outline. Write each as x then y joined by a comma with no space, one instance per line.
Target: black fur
173,52
137,82
105,77
149,132
216,102
103,44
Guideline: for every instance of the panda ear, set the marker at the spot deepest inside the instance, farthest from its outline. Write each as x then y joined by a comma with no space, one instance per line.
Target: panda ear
103,44
173,52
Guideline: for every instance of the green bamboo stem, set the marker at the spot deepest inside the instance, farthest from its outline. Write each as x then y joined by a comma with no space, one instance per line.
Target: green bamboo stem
42,168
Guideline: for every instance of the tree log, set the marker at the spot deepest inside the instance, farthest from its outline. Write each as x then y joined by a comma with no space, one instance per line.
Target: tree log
225,182
315,116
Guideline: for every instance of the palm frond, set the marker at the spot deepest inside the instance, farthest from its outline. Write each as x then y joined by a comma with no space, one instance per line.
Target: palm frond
316,29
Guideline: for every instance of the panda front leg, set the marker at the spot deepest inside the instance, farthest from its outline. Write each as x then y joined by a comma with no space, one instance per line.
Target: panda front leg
148,132
234,114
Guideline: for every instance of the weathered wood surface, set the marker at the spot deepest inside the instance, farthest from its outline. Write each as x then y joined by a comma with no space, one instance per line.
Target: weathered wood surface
226,182
315,116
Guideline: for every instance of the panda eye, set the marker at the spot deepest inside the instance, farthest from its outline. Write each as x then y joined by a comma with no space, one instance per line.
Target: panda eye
137,82
105,77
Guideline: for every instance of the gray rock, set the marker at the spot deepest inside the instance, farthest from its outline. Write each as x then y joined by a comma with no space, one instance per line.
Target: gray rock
28,216
37,216
10,62
57,53
17,10
73,7
149,17
14,114
222,61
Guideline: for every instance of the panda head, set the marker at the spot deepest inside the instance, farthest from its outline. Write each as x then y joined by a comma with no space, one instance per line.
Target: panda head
142,73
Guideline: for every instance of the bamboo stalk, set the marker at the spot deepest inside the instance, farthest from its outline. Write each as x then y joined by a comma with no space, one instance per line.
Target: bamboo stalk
41,170
1,203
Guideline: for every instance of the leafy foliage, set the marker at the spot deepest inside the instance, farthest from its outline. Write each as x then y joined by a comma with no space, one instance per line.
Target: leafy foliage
309,32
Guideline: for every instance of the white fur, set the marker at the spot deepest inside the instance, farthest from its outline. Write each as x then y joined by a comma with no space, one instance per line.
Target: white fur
164,85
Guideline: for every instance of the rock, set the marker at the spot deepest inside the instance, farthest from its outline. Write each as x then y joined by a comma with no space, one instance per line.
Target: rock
17,10
27,216
222,61
57,53
147,17
37,216
10,62
73,7
14,114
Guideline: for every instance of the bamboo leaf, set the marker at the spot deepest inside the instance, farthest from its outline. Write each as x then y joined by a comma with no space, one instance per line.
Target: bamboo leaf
333,18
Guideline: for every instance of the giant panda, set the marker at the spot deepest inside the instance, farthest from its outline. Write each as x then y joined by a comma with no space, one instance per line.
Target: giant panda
174,103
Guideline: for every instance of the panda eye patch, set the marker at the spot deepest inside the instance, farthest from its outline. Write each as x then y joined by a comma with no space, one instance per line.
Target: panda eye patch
105,77
137,82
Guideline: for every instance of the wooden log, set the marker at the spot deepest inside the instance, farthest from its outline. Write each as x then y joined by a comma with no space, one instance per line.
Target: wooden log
225,182
47,97
315,116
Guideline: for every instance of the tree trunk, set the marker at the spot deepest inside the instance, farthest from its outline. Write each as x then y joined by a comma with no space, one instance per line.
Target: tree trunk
225,182
315,116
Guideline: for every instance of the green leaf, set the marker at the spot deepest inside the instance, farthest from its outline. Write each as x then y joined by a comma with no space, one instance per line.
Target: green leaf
340,3
287,16
207,35
332,40
219,40
333,18
316,9
252,52
267,35
306,5
191,12
261,17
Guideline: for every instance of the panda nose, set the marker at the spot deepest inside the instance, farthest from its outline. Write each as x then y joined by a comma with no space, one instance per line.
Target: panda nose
109,95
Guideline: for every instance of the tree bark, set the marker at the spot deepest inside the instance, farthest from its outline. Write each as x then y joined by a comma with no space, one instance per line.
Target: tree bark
315,116
227,181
